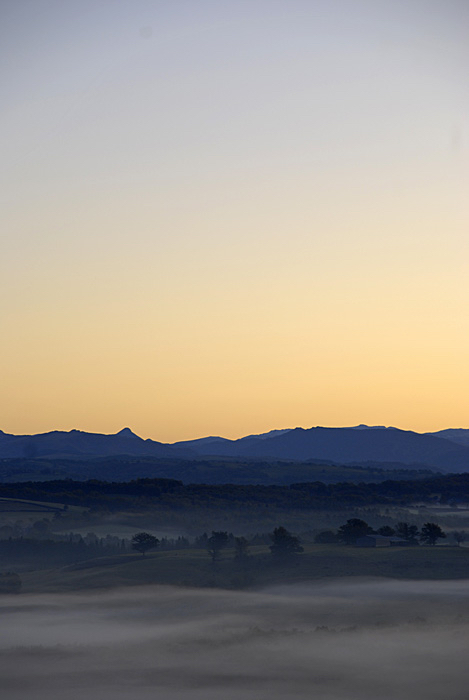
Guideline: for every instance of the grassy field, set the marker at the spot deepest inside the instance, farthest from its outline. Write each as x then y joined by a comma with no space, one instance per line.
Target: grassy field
11,508
194,568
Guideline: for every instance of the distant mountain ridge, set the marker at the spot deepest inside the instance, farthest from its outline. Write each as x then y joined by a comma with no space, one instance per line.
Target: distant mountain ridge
348,445
446,450
458,435
77,443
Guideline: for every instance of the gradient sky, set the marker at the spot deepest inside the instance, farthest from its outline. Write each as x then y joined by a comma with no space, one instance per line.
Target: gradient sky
227,216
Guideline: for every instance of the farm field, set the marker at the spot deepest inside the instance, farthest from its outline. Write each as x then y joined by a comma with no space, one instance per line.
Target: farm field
10,507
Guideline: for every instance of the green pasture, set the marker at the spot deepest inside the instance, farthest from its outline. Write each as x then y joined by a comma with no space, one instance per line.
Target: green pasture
11,508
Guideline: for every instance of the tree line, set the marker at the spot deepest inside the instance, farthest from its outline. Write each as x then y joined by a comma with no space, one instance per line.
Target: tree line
173,494
355,528
284,543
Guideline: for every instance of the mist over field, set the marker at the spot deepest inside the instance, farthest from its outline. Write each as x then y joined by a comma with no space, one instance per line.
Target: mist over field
354,640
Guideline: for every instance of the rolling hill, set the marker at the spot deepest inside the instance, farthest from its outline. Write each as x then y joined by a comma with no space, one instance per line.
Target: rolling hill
362,445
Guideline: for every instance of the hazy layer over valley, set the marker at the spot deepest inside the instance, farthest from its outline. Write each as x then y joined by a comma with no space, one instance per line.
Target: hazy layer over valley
341,640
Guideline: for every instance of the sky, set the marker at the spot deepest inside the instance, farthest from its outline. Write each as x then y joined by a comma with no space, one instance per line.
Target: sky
221,217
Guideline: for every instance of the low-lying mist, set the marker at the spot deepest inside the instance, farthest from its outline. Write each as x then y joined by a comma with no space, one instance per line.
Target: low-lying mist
342,640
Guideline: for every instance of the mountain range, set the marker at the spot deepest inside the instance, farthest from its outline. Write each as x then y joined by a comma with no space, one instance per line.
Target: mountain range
445,450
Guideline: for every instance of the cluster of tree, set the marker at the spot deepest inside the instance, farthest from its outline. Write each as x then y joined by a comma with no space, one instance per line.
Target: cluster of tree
42,530
47,553
283,544
142,542
355,528
39,529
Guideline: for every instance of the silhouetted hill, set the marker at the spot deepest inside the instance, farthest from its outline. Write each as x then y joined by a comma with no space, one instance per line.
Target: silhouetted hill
77,443
458,435
207,445
348,445
341,446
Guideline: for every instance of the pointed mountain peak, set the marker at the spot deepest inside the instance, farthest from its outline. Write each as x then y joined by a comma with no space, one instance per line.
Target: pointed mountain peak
126,432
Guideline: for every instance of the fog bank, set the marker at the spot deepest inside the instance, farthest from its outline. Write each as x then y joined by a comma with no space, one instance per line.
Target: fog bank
342,640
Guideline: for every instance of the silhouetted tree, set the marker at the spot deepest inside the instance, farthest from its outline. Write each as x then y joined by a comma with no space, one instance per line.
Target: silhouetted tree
459,536
284,543
215,543
201,541
241,548
353,529
386,531
407,532
143,541
431,532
